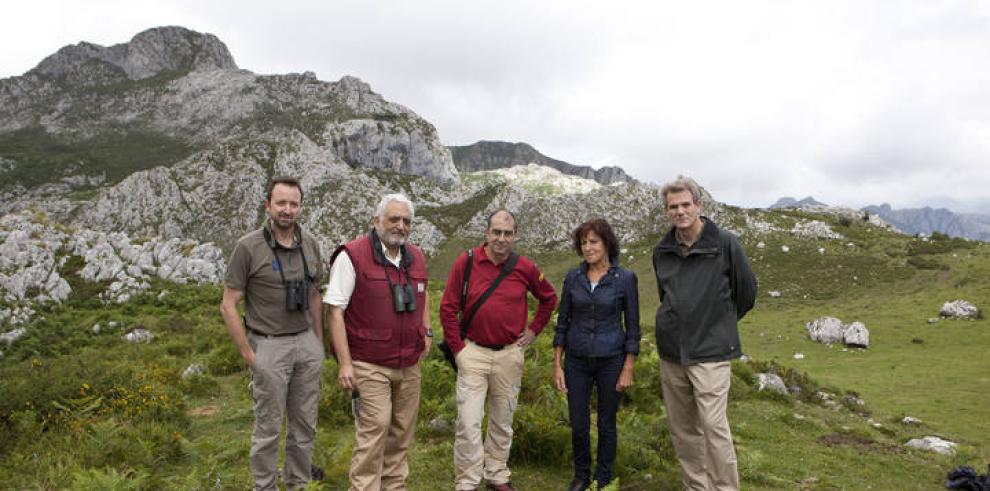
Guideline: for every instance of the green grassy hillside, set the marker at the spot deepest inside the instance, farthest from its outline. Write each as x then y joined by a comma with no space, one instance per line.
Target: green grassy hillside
86,410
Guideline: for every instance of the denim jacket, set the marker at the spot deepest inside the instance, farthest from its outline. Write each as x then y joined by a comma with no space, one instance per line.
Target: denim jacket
589,323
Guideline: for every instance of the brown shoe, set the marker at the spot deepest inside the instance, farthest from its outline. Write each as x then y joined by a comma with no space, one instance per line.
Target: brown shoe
506,486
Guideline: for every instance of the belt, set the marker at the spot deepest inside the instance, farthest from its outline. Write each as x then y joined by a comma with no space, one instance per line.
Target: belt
493,347
264,335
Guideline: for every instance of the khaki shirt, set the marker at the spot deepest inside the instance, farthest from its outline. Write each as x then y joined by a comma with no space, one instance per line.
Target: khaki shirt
253,270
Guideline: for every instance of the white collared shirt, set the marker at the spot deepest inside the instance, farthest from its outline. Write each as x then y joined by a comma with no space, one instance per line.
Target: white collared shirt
343,277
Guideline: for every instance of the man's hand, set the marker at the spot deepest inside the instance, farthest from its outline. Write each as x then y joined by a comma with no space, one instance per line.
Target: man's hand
345,376
426,349
525,338
558,377
250,357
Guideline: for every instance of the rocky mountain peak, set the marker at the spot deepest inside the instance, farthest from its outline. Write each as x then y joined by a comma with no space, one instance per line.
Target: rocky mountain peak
149,53
491,155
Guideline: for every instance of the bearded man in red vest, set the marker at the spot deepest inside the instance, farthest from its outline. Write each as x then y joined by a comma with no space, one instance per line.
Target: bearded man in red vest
380,323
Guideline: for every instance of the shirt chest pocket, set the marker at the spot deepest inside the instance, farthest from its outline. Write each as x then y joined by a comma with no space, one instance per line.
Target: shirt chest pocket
376,284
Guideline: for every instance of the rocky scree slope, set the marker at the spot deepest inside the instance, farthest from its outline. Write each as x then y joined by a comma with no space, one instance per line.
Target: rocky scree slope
184,153
490,155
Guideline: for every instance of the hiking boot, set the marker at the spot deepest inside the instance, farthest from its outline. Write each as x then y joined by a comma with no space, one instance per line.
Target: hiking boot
505,486
578,485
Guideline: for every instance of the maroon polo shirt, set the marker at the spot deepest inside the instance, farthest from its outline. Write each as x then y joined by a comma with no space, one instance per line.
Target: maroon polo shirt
502,318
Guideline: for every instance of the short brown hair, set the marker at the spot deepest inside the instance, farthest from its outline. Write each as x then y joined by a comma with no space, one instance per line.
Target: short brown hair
602,229
288,181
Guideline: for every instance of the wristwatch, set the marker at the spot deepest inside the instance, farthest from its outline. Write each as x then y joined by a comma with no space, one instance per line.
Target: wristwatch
429,333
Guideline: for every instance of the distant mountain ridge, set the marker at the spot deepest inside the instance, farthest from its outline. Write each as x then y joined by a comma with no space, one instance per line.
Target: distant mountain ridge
928,220
491,155
910,221
789,202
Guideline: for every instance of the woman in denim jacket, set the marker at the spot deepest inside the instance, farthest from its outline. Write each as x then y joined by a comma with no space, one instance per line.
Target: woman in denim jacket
598,328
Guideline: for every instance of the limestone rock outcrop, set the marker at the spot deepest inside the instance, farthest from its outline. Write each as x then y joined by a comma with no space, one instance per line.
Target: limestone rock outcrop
830,330
35,256
959,309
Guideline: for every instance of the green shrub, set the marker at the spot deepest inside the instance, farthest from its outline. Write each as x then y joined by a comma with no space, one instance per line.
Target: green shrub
109,478
225,359
202,385
924,262
541,436
335,403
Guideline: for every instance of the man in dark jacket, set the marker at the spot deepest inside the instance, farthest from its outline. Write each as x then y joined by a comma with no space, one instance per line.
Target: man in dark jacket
705,286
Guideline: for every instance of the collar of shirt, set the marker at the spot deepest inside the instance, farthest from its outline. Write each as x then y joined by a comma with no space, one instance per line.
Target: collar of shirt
397,260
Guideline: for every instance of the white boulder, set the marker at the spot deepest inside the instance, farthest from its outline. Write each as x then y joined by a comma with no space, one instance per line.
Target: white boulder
826,330
856,334
10,336
193,370
770,382
959,309
139,336
933,444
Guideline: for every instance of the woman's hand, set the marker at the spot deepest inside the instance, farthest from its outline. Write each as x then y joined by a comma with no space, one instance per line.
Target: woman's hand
625,380
626,376
558,378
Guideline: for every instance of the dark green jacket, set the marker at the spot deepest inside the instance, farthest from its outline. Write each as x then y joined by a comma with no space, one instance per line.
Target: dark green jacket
703,294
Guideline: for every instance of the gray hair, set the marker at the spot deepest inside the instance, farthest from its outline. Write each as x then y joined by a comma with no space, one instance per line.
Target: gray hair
389,198
682,183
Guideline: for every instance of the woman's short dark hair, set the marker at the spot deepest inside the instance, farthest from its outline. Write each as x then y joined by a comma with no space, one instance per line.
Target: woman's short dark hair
288,181
602,229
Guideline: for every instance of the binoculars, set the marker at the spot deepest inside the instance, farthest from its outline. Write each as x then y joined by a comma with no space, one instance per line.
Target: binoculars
296,295
403,299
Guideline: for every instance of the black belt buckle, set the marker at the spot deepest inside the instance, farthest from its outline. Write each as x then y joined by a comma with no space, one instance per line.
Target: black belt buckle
282,335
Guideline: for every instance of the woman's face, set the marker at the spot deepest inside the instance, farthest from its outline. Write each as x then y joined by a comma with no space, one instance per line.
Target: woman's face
593,248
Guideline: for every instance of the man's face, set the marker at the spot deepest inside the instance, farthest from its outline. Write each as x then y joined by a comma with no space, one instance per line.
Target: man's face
501,234
682,210
394,225
284,206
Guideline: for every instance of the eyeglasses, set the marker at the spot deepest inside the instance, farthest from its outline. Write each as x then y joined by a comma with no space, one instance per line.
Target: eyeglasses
503,234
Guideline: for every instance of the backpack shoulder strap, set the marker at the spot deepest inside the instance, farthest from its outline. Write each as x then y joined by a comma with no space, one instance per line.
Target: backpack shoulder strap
507,267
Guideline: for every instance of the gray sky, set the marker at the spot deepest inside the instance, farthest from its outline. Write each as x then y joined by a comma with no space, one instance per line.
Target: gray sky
851,102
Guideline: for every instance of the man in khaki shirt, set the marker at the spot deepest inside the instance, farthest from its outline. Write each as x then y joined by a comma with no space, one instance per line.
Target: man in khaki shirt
276,271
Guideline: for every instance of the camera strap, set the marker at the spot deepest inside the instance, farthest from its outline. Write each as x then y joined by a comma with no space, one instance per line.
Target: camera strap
302,254
389,278
507,267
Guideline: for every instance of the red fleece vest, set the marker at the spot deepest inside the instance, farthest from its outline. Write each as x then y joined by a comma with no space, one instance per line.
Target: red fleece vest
376,333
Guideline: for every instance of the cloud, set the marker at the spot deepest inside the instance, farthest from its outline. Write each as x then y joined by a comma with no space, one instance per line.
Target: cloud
854,103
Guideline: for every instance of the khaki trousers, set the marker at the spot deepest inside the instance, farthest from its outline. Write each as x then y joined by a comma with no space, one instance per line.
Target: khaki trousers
286,379
384,430
696,397
497,374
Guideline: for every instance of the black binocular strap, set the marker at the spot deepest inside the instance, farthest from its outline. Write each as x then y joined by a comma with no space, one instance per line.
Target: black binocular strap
279,261
507,268
389,278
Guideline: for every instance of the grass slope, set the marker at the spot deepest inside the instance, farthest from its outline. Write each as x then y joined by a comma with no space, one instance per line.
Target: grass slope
85,410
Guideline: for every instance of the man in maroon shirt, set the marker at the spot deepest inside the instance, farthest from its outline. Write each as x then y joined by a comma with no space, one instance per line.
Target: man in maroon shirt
490,358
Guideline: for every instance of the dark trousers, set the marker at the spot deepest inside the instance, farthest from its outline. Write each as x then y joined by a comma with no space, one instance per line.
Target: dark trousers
581,374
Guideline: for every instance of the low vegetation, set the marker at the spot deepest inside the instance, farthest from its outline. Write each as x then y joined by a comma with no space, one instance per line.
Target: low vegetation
39,157
83,409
